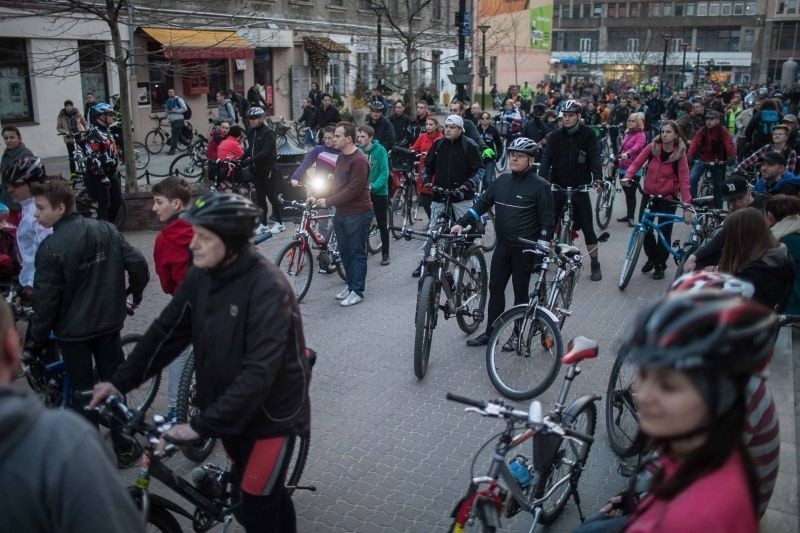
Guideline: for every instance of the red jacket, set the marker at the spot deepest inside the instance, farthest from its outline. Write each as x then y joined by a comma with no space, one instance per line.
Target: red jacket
715,144
423,145
171,253
229,148
660,177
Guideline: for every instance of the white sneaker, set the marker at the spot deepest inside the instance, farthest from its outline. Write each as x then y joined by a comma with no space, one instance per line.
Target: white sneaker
261,229
352,299
277,228
343,294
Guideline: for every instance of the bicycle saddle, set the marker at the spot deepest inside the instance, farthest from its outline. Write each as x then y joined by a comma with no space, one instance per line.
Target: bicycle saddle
567,251
578,349
703,201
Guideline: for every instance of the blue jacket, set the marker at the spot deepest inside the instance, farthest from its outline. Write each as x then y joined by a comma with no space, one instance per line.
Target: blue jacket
788,184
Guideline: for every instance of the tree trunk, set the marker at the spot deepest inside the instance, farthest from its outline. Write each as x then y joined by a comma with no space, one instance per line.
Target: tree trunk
121,62
410,77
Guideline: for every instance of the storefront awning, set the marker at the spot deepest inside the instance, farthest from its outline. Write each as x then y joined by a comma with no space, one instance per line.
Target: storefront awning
324,44
201,44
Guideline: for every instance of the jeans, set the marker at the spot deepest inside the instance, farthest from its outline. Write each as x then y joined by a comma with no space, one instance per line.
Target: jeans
380,204
717,177
176,128
352,232
105,352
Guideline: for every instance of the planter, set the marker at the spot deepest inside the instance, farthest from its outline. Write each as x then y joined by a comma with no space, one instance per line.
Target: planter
140,209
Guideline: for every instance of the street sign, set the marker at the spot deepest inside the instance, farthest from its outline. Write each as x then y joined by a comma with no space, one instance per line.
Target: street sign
461,72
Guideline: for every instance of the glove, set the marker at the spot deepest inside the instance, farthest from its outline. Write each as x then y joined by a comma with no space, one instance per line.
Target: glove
457,195
32,351
488,153
137,297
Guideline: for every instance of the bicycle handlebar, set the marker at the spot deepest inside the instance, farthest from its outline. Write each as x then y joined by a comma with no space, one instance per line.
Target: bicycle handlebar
580,188
788,320
408,232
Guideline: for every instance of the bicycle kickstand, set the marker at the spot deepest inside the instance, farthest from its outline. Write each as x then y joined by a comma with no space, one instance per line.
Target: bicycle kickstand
575,496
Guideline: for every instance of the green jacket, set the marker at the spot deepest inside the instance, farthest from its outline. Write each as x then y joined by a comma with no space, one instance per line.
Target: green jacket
378,169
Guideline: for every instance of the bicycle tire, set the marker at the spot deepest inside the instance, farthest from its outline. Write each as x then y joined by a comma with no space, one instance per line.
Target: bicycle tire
154,141
162,520
185,166
333,251
509,353
489,237
140,398
471,286
122,214
706,186
374,243
397,209
570,455
622,422
297,263
563,297
140,155
631,257
604,205
186,408
297,463
424,323
689,250
565,232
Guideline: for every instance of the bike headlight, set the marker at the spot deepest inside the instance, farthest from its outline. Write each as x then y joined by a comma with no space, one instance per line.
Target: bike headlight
318,184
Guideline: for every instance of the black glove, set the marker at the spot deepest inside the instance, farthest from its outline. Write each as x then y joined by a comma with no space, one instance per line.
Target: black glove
457,195
32,351
137,297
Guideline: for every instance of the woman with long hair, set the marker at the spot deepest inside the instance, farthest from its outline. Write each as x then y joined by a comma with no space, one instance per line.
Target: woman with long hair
752,253
633,142
783,214
421,145
667,175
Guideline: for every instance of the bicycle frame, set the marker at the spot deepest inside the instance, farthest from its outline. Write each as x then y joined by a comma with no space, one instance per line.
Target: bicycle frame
567,214
647,223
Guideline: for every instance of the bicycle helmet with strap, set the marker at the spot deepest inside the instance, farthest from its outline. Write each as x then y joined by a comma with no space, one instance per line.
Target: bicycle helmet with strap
376,105
256,112
524,145
231,217
698,281
571,106
102,108
26,170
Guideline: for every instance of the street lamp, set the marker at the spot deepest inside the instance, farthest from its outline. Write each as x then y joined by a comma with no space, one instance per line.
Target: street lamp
379,11
667,38
697,68
483,72
685,47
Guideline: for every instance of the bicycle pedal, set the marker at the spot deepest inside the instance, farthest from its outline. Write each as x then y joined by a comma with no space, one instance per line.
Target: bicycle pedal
626,470
565,312
478,315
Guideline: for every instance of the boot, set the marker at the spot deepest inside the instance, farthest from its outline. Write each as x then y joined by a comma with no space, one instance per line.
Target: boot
385,258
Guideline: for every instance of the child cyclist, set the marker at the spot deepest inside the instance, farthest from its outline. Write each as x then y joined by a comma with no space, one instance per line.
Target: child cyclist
172,258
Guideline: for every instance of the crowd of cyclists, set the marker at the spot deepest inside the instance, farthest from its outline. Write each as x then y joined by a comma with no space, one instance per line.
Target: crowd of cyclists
696,348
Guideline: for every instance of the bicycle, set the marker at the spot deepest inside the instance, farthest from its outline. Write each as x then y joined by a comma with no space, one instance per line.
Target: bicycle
405,200
567,214
705,186
540,484
288,134
210,493
156,138
187,407
192,164
296,259
604,203
229,179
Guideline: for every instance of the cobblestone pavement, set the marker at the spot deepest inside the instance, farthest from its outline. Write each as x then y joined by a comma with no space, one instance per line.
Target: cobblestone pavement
388,452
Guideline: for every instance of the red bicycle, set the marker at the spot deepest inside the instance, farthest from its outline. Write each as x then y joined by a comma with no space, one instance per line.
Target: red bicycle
296,259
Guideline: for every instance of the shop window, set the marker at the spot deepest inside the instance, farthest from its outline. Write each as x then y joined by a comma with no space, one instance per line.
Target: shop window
633,45
94,76
15,90
160,74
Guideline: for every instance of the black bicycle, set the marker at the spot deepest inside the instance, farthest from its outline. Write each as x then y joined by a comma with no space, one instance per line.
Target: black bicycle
567,215
187,407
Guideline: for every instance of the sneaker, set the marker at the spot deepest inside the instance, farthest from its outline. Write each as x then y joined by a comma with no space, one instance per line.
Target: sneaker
261,229
659,273
623,219
480,340
648,267
352,299
277,228
343,294
597,275
417,272
129,458
385,259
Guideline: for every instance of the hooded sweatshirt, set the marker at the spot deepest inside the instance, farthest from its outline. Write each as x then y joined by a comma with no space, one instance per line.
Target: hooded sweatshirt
171,253
772,275
54,465
787,231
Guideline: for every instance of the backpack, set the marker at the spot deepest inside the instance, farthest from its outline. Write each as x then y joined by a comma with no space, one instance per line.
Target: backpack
188,114
769,118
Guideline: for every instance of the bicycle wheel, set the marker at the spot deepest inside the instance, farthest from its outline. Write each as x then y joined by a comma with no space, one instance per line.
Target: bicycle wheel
689,250
604,205
141,156
568,461
563,298
298,461
154,141
631,257
489,237
424,322
186,166
374,244
706,187
471,287
297,263
524,353
622,418
187,407
335,256
161,520
397,211
140,398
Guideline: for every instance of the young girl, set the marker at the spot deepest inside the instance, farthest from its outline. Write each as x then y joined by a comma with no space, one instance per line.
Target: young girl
667,175
632,145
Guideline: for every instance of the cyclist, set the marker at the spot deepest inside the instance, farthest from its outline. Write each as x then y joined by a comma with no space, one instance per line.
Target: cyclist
492,138
776,178
571,158
535,128
423,144
696,352
30,233
524,208
263,158
378,183
79,294
384,131
322,156
102,159
780,144
711,143
240,314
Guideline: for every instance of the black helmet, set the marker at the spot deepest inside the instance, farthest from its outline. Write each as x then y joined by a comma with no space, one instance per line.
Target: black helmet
25,170
228,215
376,105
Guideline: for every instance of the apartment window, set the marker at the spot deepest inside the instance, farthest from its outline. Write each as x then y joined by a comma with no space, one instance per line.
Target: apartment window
738,9
746,44
94,77
337,85
565,12
713,9
719,40
493,69
633,45
727,9
336,3
587,11
598,11
635,10
690,10
667,10
702,9
678,10
585,45
612,10
750,8
655,10
364,4
436,9
623,10
15,89
576,11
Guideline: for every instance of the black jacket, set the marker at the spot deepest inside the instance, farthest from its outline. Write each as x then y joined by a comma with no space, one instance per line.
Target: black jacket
453,164
261,150
523,207
325,117
79,289
384,131
249,348
402,132
772,275
571,160
535,129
